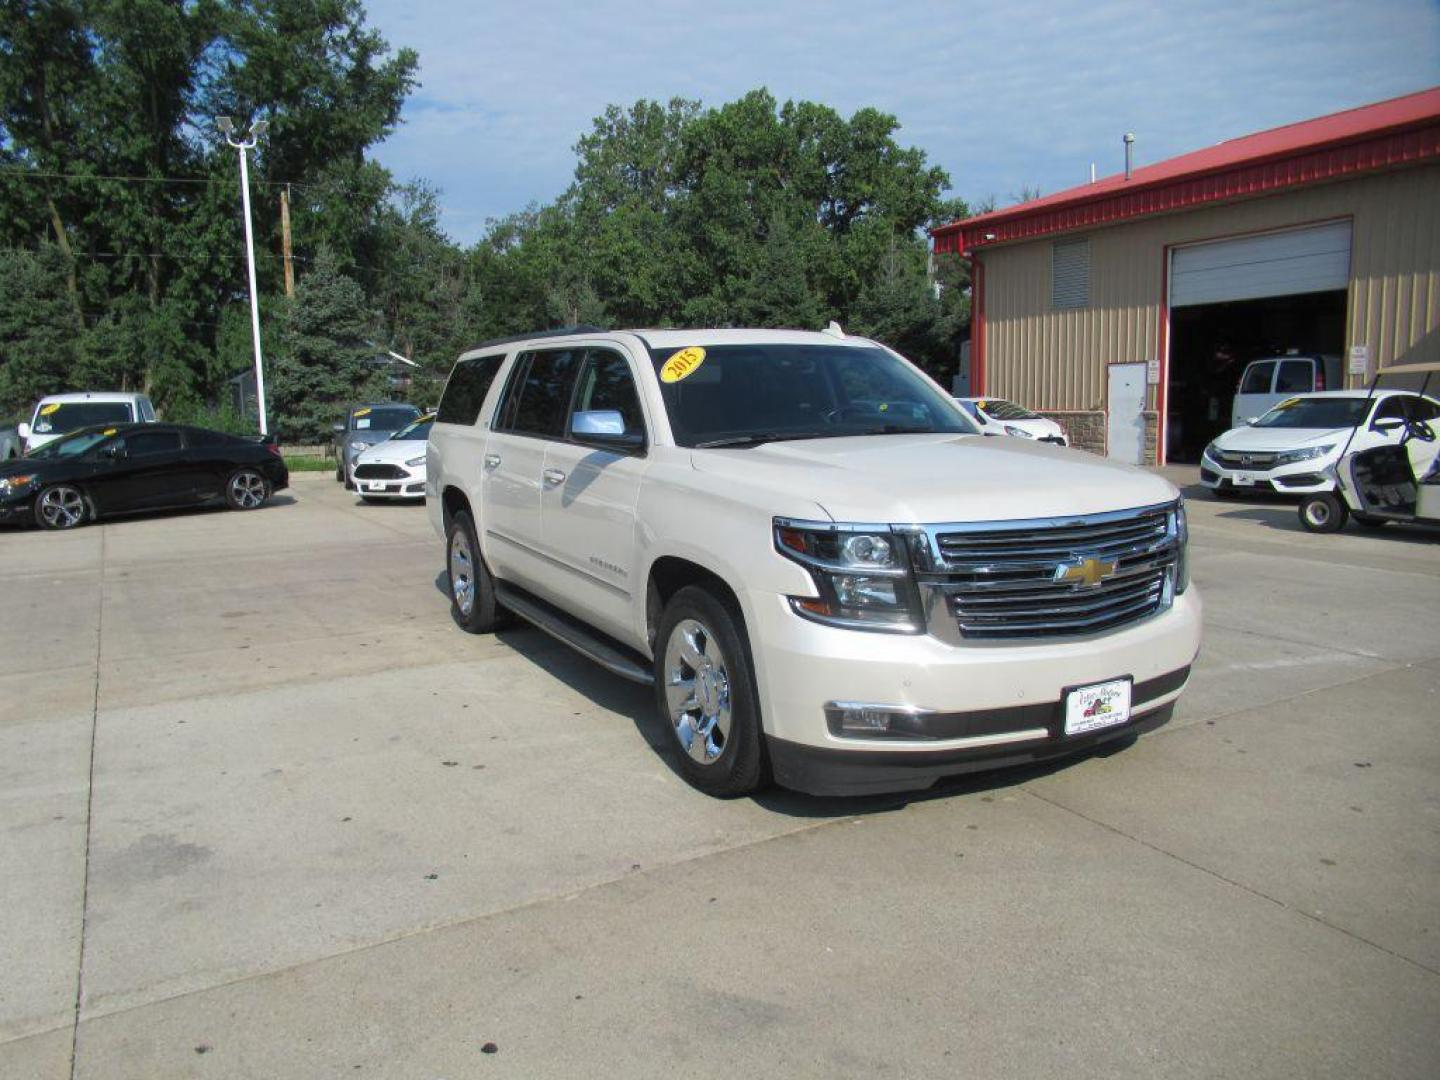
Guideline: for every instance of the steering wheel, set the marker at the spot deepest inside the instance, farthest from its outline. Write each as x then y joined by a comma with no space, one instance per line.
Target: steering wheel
1420,429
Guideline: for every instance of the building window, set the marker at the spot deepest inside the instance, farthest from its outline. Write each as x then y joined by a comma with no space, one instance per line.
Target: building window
1070,274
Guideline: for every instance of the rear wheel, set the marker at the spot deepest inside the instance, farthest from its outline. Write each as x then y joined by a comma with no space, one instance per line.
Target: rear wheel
705,692
339,471
472,590
61,507
247,490
1323,512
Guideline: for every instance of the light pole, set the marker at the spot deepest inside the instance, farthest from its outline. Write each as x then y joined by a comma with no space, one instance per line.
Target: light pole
227,128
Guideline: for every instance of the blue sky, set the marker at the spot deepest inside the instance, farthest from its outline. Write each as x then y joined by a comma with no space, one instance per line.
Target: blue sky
1003,95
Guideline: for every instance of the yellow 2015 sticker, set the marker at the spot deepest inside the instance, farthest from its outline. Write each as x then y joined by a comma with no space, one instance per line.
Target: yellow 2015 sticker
362,412
109,431
1289,403
682,364
53,407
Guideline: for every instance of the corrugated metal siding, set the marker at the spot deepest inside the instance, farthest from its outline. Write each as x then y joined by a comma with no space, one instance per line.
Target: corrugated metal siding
1056,360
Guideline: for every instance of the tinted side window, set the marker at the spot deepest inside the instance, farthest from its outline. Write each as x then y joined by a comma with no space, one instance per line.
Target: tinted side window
544,395
1296,377
607,384
199,439
152,442
466,390
1420,408
1257,379
1392,408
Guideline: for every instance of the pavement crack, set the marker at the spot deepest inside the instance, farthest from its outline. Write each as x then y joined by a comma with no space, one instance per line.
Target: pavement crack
89,811
1209,872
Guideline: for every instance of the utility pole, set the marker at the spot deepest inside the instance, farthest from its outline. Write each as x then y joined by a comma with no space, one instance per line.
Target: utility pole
285,239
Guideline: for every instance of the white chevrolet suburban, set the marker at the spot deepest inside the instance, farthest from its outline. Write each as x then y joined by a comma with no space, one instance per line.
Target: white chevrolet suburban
829,577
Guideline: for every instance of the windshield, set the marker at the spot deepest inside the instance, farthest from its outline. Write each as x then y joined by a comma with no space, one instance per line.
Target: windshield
1334,412
72,445
732,394
59,417
419,430
1005,410
382,419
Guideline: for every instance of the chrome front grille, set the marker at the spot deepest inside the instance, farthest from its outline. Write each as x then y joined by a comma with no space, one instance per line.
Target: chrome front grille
1051,577
1247,459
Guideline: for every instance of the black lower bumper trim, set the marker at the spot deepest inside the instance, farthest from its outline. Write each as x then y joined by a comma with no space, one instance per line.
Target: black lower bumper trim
823,771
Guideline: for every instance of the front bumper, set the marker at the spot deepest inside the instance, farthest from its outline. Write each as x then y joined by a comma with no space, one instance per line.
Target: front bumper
18,511
410,485
1001,700
1298,478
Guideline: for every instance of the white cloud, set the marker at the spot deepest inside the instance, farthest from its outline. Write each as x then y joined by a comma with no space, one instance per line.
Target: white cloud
1002,95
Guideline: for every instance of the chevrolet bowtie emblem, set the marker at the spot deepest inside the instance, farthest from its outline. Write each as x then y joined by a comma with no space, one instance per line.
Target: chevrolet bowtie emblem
1089,571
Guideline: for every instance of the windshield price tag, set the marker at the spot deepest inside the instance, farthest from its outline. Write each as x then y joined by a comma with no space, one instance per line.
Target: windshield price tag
682,364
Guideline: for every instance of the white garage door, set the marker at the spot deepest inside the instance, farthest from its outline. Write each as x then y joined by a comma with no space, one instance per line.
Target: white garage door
1273,264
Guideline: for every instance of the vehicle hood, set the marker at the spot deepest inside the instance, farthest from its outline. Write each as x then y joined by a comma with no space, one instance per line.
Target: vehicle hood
939,477
1040,426
366,435
48,468
1253,438
391,452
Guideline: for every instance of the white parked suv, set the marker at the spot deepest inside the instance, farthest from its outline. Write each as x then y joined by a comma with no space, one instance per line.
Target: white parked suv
1293,448
842,596
60,414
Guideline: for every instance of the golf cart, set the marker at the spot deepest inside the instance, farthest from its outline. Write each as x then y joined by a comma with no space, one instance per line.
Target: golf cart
1396,482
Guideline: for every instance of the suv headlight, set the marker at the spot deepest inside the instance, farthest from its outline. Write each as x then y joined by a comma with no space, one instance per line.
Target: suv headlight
415,462
1290,457
1211,451
1018,432
358,445
862,573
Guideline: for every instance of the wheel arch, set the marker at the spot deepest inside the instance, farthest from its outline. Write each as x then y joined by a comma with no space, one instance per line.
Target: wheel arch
452,501
671,573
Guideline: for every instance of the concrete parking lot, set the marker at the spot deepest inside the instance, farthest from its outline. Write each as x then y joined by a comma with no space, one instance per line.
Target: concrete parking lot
267,813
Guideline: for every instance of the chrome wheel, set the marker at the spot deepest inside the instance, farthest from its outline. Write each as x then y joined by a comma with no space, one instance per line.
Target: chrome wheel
1318,513
247,490
61,507
462,572
697,690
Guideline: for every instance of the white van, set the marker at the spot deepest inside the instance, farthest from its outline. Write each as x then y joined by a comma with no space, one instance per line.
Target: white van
60,414
1267,382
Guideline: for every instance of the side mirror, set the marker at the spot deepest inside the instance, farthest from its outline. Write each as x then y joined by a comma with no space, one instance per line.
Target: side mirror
23,430
1249,421
115,453
1387,426
605,428
338,427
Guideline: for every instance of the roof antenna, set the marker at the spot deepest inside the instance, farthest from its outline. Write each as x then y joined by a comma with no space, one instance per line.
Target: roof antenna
1129,141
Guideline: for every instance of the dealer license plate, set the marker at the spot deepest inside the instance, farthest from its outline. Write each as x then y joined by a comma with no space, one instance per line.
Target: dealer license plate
1245,479
1089,708
377,485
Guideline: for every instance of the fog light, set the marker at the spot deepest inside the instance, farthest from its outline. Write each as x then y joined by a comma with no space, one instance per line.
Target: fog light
864,721
858,719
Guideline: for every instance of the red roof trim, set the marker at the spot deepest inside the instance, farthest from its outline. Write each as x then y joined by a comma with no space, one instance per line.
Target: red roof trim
1299,155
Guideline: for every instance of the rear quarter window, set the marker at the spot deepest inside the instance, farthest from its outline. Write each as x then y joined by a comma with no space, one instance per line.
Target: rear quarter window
1257,378
465,391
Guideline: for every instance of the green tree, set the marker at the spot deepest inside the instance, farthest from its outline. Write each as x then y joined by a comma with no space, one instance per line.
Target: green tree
325,357
37,326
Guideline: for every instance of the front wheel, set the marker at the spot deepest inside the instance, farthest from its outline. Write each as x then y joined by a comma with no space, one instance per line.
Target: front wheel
1323,512
247,490
61,507
705,692
472,590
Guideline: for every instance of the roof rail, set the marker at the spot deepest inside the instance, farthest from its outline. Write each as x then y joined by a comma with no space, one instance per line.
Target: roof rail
562,331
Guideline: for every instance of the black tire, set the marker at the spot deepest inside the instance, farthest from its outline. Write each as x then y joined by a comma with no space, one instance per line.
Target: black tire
735,764
1323,512
472,590
247,489
1370,521
339,471
60,507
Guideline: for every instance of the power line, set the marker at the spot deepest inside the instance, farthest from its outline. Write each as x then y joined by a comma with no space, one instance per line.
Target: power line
23,173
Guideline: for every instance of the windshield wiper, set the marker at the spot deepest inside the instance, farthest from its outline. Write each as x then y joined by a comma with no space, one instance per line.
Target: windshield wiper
895,429
756,438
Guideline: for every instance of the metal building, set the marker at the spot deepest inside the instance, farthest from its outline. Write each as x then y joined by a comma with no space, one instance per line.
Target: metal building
1126,308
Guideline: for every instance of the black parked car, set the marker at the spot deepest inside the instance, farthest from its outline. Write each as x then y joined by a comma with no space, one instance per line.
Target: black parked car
127,468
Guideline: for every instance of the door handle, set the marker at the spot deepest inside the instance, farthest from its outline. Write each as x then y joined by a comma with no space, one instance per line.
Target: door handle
553,477
492,460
